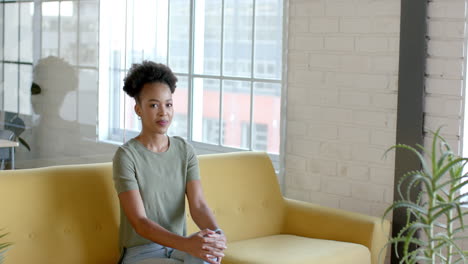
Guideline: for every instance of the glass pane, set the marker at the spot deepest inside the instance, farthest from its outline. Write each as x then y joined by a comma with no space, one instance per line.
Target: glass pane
142,44
69,108
68,31
268,39
87,95
26,38
179,27
132,123
131,56
11,87
11,31
266,117
206,93
2,102
25,89
237,38
2,36
236,114
207,54
116,111
180,102
116,38
50,29
89,38
161,33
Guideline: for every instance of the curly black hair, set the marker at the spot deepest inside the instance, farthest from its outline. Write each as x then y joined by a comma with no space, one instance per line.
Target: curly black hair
147,72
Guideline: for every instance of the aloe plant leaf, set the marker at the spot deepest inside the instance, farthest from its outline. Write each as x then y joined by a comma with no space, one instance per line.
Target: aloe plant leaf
416,152
417,178
442,171
450,242
451,181
408,176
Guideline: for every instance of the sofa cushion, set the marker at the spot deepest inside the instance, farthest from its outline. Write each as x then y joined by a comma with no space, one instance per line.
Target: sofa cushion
280,249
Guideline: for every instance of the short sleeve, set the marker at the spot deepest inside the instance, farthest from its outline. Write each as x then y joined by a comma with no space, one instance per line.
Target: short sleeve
123,172
193,172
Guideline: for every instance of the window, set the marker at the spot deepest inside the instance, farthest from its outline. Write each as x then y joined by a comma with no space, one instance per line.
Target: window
226,54
34,30
16,56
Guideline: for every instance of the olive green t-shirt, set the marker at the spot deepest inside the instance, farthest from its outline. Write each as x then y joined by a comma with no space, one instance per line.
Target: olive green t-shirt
161,179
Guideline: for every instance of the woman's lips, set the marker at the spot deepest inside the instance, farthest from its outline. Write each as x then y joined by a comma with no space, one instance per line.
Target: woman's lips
163,122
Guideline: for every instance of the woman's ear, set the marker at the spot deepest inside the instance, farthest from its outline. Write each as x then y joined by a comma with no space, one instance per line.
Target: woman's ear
137,109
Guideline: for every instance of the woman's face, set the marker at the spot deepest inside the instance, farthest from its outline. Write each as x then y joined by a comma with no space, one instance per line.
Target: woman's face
155,107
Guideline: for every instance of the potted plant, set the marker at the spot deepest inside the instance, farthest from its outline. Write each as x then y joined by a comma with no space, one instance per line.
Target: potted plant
3,247
434,223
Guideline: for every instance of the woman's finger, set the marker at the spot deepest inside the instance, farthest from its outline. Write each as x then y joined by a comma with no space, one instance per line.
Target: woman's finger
210,259
213,250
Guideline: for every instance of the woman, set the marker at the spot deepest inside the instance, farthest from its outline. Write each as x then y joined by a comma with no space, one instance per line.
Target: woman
153,173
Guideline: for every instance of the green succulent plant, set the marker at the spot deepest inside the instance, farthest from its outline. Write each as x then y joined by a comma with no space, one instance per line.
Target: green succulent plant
3,247
434,223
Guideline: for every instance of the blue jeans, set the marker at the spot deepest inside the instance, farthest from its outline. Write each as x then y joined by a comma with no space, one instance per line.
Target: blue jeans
156,254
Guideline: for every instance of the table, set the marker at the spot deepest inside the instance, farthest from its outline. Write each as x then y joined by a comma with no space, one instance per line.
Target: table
12,145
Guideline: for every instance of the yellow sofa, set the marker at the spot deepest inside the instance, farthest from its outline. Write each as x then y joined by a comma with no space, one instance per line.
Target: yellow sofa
69,214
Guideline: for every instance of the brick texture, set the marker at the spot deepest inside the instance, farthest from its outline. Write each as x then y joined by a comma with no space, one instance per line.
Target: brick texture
342,101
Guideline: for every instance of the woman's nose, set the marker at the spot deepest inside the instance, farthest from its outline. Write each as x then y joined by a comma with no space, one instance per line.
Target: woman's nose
163,111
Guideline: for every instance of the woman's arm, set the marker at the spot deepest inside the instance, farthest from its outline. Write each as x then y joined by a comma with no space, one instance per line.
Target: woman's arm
199,210
200,244
202,215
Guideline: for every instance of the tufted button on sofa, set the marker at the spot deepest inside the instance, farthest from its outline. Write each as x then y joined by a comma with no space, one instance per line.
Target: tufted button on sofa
70,214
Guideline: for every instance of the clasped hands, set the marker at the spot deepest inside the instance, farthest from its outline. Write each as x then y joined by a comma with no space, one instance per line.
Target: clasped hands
207,245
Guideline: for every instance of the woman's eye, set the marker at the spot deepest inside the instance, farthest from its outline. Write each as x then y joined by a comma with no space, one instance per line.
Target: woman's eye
169,105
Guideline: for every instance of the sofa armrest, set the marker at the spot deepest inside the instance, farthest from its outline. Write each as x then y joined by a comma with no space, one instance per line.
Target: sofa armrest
315,221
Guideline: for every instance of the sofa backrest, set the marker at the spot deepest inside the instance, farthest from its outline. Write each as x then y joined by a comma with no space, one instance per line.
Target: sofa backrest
62,214
70,214
243,191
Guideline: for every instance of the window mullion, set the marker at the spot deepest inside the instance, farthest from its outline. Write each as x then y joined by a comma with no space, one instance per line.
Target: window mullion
221,82
221,105
190,70
168,30
78,28
37,31
125,70
3,57
19,59
78,40
221,61
252,76
59,18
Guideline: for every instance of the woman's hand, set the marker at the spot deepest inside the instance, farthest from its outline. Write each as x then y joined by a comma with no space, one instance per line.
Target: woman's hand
206,245
221,242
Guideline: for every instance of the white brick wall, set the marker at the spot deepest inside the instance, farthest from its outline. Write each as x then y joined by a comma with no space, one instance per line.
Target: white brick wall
445,71
342,101
342,96
445,68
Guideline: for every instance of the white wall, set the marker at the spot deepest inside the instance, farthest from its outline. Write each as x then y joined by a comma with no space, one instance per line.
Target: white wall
342,101
446,71
342,96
